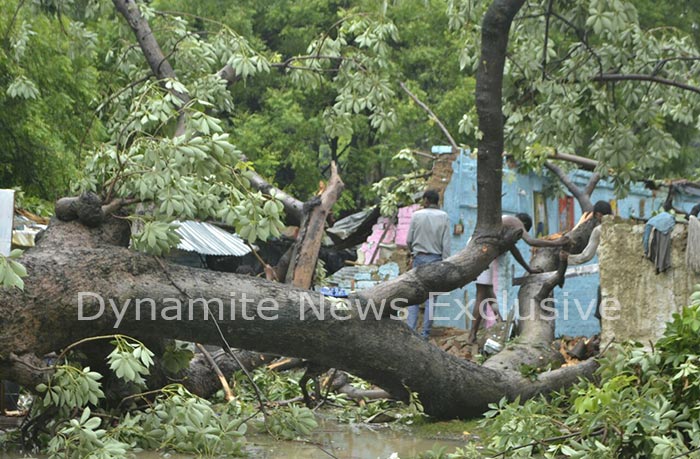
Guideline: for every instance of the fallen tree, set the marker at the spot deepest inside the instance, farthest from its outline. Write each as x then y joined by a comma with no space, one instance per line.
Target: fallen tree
82,269
75,272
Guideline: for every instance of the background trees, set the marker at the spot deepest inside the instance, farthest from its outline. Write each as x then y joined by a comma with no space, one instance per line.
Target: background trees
49,84
601,90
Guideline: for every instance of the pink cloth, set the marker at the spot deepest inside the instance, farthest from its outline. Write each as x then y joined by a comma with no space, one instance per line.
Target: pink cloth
490,318
490,277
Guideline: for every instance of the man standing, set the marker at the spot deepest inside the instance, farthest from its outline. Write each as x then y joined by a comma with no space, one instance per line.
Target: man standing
429,241
600,209
485,295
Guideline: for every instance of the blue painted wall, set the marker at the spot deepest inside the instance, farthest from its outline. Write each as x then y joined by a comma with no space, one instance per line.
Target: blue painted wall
517,196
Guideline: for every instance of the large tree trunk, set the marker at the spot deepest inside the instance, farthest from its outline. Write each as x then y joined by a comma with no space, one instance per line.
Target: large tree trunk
489,106
71,258
537,330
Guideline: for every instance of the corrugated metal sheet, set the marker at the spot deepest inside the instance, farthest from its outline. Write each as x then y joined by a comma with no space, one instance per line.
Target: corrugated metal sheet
7,206
207,239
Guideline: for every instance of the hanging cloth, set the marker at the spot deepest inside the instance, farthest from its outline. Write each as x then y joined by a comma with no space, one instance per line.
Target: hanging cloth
657,240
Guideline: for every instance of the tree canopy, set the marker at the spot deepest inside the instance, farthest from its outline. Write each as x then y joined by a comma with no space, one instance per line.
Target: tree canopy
320,81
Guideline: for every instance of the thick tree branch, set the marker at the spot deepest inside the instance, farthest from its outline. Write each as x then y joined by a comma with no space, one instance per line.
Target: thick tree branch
415,286
157,61
592,183
584,163
583,198
150,48
560,378
293,207
308,244
489,82
88,208
228,74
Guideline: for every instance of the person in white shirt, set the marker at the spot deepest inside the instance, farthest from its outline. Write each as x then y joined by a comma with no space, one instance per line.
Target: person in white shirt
429,241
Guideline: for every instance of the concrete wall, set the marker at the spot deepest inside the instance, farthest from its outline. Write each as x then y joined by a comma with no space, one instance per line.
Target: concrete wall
647,300
576,303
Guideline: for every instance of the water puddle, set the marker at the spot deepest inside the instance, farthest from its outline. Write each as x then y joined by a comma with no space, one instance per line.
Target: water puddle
345,441
329,440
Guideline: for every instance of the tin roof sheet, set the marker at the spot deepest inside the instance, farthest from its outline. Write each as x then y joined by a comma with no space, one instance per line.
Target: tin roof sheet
207,239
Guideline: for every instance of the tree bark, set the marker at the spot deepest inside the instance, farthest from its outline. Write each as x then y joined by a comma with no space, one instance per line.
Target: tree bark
198,376
72,258
159,64
293,208
415,286
305,253
582,196
489,88
584,163
536,330
150,48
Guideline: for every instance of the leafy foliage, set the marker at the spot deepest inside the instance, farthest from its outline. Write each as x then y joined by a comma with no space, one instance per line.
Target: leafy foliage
32,204
182,422
130,360
70,387
177,356
11,271
372,410
274,386
645,405
291,422
396,191
591,86
50,78
83,437
318,81
156,238
176,420
341,104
